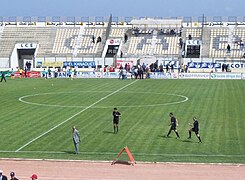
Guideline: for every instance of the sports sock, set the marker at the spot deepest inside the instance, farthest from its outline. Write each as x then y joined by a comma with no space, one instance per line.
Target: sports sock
177,134
199,139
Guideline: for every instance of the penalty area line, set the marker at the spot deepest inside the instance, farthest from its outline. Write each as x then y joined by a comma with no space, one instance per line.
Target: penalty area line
88,107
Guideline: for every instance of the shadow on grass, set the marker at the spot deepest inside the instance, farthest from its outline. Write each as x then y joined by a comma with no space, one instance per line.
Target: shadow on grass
69,152
187,141
165,136
108,132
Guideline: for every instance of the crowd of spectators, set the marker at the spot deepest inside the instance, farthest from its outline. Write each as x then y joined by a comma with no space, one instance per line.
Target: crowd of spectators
98,40
164,31
142,71
171,32
225,68
12,176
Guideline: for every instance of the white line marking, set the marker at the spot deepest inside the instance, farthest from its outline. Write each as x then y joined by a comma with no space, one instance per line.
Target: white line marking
38,137
136,154
21,99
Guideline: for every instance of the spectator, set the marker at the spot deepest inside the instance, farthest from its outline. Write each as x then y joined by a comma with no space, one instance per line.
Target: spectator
29,65
34,177
120,73
167,68
26,66
228,48
12,73
227,69
140,73
127,67
183,54
12,176
25,70
93,39
20,71
44,73
111,69
124,74
144,67
55,73
98,39
172,68
125,38
161,68
223,67
2,177
189,37
180,43
241,44
161,32
182,68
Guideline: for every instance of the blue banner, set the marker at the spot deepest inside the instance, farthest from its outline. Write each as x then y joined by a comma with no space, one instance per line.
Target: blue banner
80,64
159,75
203,65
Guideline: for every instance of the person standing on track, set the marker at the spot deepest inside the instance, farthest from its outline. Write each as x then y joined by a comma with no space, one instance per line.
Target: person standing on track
12,176
116,114
195,128
3,177
34,177
76,139
173,125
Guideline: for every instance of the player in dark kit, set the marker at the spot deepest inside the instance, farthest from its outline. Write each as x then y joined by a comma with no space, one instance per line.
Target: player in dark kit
173,124
3,76
195,128
116,114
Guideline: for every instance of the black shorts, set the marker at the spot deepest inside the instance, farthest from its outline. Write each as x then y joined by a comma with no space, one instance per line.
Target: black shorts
173,127
115,121
195,130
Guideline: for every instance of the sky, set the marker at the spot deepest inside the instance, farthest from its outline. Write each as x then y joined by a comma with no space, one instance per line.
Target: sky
121,8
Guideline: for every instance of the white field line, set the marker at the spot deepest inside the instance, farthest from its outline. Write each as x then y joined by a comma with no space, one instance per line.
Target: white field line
136,154
88,107
21,99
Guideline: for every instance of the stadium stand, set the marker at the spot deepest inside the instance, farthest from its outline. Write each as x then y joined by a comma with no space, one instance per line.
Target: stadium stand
220,39
137,38
44,36
151,42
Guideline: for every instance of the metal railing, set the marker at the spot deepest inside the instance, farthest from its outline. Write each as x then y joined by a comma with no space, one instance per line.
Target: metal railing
75,19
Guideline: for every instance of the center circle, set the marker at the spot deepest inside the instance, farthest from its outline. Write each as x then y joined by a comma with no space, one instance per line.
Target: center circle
83,99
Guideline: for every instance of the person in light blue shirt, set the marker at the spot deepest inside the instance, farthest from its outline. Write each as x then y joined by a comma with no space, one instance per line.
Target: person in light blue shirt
44,73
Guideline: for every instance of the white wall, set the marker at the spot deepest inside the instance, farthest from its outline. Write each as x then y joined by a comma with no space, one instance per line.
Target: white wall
4,63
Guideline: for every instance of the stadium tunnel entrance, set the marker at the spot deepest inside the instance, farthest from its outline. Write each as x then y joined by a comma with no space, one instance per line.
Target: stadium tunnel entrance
25,57
22,55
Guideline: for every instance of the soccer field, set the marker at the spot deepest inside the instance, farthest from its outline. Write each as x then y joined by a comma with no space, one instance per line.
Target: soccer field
36,117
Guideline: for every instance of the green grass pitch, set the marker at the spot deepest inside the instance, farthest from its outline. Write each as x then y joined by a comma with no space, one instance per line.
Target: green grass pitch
36,117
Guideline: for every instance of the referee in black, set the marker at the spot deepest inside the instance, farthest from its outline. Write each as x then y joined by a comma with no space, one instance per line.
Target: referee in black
195,128
116,114
173,125
3,76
